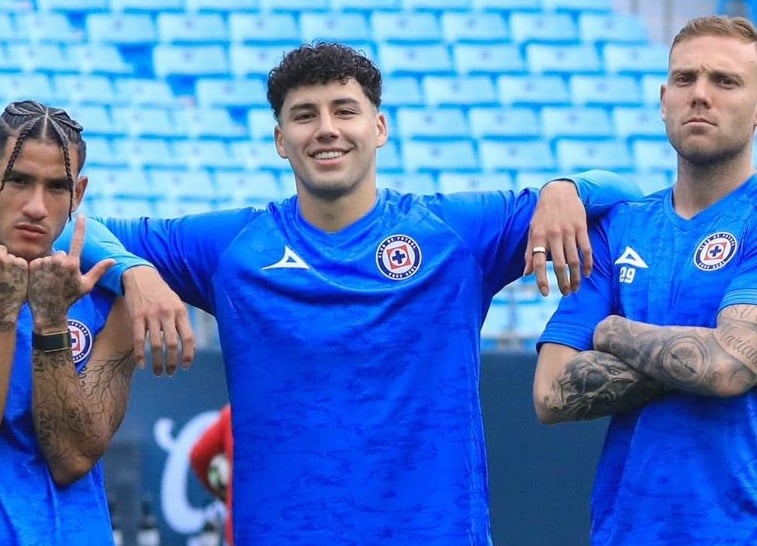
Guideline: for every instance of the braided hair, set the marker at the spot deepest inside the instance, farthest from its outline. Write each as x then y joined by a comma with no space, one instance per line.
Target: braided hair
30,119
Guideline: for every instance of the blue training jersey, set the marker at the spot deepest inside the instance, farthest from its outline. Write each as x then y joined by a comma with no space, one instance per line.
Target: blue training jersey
683,469
352,359
34,511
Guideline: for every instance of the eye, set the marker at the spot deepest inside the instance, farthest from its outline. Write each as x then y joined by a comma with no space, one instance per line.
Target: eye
16,181
59,187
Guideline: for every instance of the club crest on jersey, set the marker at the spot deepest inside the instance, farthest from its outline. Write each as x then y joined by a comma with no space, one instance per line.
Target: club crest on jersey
715,251
398,257
81,340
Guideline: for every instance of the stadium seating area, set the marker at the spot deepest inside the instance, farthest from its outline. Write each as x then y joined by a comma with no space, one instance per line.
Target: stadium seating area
479,94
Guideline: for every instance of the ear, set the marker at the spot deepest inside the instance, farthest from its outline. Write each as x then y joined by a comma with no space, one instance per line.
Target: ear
80,187
382,130
279,139
663,90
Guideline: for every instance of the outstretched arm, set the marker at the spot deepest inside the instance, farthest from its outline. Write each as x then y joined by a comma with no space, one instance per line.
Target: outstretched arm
720,361
573,386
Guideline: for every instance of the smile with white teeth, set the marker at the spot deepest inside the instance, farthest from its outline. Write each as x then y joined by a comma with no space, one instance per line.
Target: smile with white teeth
329,155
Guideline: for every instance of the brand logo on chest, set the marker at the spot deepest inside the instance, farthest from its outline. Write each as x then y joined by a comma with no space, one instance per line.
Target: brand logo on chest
398,257
715,251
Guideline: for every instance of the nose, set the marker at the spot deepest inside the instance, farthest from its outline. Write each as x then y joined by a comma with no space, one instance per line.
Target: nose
35,207
700,92
326,127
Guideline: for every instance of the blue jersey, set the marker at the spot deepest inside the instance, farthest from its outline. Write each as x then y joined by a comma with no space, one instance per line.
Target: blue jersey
352,359
682,469
34,511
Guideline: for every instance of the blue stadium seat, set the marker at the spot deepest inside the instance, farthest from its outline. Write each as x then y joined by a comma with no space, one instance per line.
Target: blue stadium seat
28,85
577,6
532,90
497,324
254,60
402,91
71,6
95,118
248,187
504,122
543,28
506,155
415,59
146,5
365,6
459,90
101,152
653,155
260,123
148,91
563,59
480,58
140,187
474,27
189,60
293,5
638,122
86,88
340,27
434,5
103,180
650,182
419,183
534,178
635,59
259,154
209,122
388,157
262,28
48,26
122,208
450,182
578,154
604,90
530,318
206,153
99,59
601,28
405,27
144,121
650,87
46,57
8,30
224,6
576,121
234,92
506,5
191,28
175,208
448,155
146,152
431,123
184,184
121,28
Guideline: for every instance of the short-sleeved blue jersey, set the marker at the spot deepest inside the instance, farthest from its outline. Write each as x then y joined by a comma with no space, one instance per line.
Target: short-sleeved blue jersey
34,511
352,359
682,469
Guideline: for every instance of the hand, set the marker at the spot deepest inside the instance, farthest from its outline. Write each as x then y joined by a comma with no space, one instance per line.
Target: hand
14,278
606,330
155,309
56,282
559,226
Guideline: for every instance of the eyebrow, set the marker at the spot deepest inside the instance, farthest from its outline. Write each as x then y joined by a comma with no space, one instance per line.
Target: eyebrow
311,105
14,173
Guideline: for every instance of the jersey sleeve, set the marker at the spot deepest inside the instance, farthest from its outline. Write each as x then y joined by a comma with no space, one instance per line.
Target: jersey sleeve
186,251
573,323
601,190
742,290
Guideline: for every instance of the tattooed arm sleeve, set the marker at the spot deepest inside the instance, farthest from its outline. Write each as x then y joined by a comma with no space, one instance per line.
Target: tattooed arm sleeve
576,386
720,361
76,415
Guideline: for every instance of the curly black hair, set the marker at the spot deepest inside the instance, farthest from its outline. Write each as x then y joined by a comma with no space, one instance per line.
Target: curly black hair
320,63
30,119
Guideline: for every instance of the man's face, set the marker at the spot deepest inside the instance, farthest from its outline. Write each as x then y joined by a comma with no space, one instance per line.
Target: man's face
330,134
709,103
35,201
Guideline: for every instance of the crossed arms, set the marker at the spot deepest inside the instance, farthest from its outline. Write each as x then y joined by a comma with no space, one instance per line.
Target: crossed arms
633,363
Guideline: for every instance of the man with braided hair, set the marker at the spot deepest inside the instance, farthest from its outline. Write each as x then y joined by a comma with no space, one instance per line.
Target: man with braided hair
67,359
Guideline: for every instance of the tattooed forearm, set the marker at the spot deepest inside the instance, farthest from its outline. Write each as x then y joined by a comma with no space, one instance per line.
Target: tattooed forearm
596,384
719,361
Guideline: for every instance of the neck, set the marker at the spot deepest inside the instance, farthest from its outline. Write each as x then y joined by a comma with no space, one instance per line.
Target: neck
698,187
332,215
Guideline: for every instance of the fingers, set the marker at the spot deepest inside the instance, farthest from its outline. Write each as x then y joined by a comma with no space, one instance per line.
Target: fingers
77,241
184,328
93,276
171,340
138,333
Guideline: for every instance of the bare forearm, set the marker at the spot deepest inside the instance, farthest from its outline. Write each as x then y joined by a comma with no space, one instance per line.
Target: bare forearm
7,351
717,361
75,415
593,385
